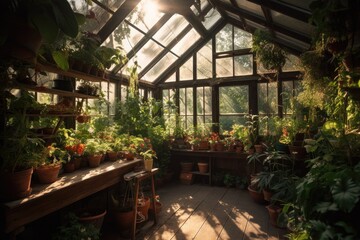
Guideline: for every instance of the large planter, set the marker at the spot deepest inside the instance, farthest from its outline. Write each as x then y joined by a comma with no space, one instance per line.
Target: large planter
92,216
15,185
274,212
48,173
94,160
124,219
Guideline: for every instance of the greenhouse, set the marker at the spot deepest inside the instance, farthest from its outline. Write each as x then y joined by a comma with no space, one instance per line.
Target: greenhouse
180,119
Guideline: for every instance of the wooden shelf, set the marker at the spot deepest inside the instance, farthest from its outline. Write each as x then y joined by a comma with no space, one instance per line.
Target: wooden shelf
56,91
70,73
199,173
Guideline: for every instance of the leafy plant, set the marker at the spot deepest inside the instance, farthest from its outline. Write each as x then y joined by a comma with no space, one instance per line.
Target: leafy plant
229,180
74,230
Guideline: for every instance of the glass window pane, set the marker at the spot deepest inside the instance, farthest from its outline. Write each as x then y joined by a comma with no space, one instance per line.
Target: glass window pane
234,99
224,39
123,93
224,67
242,39
172,78
186,70
182,101
171,29
204,101
200,100
292,64
211,18
189,101
112,98
267,98
160,67
287,95
243,65
186,42
208,100
226,122
204,62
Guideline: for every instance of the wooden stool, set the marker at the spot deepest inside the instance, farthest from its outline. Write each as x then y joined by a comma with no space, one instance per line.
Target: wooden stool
138,177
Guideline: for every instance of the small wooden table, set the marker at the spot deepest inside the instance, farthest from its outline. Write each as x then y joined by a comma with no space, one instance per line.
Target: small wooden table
138,177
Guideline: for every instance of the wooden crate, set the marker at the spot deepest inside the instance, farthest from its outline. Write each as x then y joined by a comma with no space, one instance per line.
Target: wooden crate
186,178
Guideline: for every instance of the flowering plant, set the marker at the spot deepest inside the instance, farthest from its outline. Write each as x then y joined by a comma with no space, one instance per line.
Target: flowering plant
285,137
195,141
54,155
76,149
214,138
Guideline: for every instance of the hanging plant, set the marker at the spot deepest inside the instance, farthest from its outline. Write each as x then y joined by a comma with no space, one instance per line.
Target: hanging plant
269,54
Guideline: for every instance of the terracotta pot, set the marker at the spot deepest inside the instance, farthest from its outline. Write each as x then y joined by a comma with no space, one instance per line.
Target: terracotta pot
69,167
203,167
124,219
186,166
195,147
259,148
257,196
274,212
112,156
220,147
204,145
158,207
143,207
267,195
77,161
48,173
92,216
15,185
94,160
129,156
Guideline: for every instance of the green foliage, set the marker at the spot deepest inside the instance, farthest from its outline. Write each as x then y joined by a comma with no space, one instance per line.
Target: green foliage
74,230
267,52
229,180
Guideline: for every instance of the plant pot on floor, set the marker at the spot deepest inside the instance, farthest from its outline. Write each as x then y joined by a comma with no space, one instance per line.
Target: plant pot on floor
48,173
256,195
203,167
143,206
274,212
15,185
92,216
124,219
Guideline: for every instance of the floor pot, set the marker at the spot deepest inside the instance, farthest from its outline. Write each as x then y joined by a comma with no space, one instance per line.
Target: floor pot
257,196
274,212
267,195
92,216
48,173
124,219
186,166
203,167
143,207
15,185
94,160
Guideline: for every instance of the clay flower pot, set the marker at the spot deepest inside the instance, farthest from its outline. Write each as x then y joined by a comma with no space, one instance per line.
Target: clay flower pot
48,173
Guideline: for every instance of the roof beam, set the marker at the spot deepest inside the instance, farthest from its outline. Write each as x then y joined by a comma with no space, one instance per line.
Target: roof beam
117,18
196,47
261,21
288,10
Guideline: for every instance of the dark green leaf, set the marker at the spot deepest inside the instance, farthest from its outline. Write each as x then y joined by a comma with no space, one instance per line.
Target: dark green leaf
65,17
324,207
346,194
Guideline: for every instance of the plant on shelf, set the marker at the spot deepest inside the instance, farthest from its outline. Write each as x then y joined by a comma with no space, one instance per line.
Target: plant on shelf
88,88
109,56
148,156
94,149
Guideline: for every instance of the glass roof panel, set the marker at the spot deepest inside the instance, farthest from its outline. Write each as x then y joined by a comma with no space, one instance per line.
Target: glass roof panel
147,53
211,18
145,15
255,25
172,78
303,4
160,67
292,23
289,41
250,7
171,29
186,42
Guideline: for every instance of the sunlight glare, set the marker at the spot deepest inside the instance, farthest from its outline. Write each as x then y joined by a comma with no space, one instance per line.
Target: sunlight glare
151,10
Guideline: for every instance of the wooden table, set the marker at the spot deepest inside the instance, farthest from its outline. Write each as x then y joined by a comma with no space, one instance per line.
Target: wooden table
71,187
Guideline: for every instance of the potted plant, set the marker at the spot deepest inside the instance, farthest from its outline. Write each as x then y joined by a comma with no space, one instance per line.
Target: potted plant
19,148
48,167
148,156
94,150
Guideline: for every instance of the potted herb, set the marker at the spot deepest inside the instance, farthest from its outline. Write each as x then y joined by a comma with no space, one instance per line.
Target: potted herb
94,150
148,156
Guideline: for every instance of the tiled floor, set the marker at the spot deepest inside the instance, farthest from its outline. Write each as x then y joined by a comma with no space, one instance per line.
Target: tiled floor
204,212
